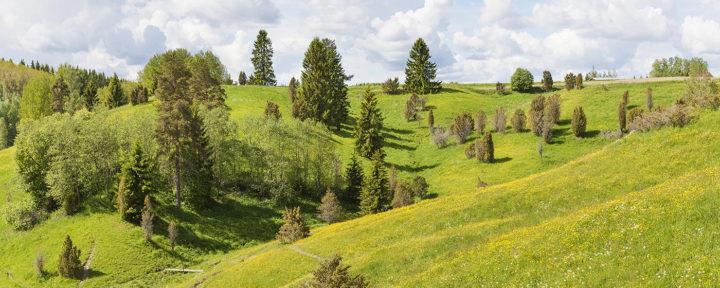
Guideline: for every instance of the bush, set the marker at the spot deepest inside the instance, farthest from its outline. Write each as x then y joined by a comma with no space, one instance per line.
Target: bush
332,273
293,228
420,187
330,209
579,81
69,264
547,80
547,131
40,265
649,99
440,136
272,111
403,195
622,117
521,80
569,81
634,113
552,109
518,121
391,86
23,215
462,127
536,114
139,95
470,150
484,149
701,92
579,122
625,98
499,120
410,110
480,120
500,88
431,119
676,116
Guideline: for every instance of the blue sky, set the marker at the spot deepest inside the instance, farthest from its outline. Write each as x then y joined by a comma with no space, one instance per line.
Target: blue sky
471,41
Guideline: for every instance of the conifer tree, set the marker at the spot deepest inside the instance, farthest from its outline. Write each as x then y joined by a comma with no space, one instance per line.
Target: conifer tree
622,117
462,127
402,194
547,132
420,71
649,99
480,122
552,109
579,122
332,274
368,139
262,61
292,90
431,119
60,92
330,209
90,94
148,214
569,81
138,95
484,148
499,120
375,196
198,170
625,98
536,114
547,80
518,121
69,265
410,110
116,97
354,178
135,184
579,81
293,228
272,111
242,78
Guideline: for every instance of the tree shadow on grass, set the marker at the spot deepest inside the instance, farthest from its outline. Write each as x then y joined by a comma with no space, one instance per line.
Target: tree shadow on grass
502,160
451,90
564,122
414,169
399,146
591,134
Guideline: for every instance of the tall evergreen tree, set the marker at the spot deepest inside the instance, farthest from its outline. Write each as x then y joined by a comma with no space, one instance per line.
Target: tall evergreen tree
375,196
262,61
292,89
60,92
90,93
579,122
420,71
354,178
135,184
148,214
116,98
198,170
323,93
547,80
242,78
69,263
368,139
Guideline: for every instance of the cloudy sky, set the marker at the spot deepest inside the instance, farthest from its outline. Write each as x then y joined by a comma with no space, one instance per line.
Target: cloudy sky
471,41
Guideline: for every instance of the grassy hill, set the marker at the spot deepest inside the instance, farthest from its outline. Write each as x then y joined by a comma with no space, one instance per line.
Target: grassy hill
504,234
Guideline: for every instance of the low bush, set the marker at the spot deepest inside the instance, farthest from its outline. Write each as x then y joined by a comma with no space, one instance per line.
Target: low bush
23,215
439,136
462,127
293,228
518,121
499,120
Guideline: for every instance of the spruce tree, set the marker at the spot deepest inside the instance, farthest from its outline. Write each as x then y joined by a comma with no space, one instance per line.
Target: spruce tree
368,139
420,71
330,209
547,80
116,97
579,122
579,81
148,214
518,121
292,90
480,122
462,127
135,184
569,81
69,265
332,274
90,94
431,119
622,117
60,92
354,178
375,196
262,61
198,170
484,148
242,78
272,111
537,108
293,228
402,194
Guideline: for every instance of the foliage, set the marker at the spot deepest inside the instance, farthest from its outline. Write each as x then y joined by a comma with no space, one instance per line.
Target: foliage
420,187
403,194
547,80
375,196
677,67
69,265
9,112
330,209
368,139
354,179
242,78
410,110
148,215
547,131
622,117
60,92
521,80
139,95
332,274
537,108
135,183
579,81
675,116
292,91
579,122
439,136
518,121
462,127
391,86
499,120
272,111
115,98
484,149
569,81
552,109
500,88
23,215
634,113
208,74
293,227
261,59
649,99
40,265
480,121
431,119
420,71
36,98
701,92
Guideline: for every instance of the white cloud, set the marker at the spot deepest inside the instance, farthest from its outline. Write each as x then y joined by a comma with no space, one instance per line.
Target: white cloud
700,35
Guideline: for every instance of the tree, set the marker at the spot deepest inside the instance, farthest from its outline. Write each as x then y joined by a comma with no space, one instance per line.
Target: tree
139,95
368,139
69,263
198,166
499,120
354,178
579,81
90,93
552,109
116,97
518,121
625,97
391,86
292,90
172,234
293,228
242,78
462,127
622,117
403,194
569,81
431,119
547,81
4,139
205,83
419,187
272,111
135,184
537,108
420,71
521,80
332,274
547,132
330,209
649,99
500,88
262,61
323,93
375,196
60,92
484,149
439,136
35,102
410,110
392,178
579,122
147,218
480,120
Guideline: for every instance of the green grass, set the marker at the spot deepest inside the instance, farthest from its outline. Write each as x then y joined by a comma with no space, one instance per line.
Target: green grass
434,243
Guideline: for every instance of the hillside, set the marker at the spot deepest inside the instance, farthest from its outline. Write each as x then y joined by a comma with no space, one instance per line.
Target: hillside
577,180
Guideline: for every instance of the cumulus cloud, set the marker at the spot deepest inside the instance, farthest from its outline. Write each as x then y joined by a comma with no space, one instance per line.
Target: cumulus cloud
700,35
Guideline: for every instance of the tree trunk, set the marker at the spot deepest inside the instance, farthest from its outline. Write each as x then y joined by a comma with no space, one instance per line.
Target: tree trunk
176,180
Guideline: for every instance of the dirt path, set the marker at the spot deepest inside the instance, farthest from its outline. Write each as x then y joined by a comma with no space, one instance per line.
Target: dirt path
88,262
303,252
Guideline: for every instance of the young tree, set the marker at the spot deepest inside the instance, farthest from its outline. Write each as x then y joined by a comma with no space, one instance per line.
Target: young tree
484,149
622,117
431,120
332,273
403,194
439,136
292,90
272,111
375,196
368,139
36,100
547,132
500,88
569,81
40,265
480,120
420,71
420,187
116,97
499,120
354,178
518,121
462,127
547,80
69,263
147,218
392,178
262,61
330,209
60,92
649,99
139,95
410,110
207,76
521,80
242,78
135,184
579,122
579,81
391,86
552,109
90,93
323,93
625,98
537,108
293,228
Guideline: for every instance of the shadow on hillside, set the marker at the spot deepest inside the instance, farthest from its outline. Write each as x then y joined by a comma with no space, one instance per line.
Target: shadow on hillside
502,160
413,169
94,273
630,107
398,131
399,146
564,122
451,90
592,133
484,91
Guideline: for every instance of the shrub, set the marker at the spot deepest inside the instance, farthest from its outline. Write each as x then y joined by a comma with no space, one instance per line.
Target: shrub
332,273
272,111
579,122
625,98
462,127
69,264
634,113
518,121
421,103
431,119
547,131
579,81
552,109
484,149
481,184
612,134
40,265
410,110
649,99
499,120
547,80
440,136
701,92
392,178
420,187
147,219
676,115
500,88
521,80
569,81
391,86
536,114
293,228
330,209
172,234
540,149
480,120
622,117
354,178
403,195
23,215
470,150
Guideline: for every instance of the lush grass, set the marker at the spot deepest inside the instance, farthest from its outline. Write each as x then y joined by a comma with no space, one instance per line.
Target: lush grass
425,234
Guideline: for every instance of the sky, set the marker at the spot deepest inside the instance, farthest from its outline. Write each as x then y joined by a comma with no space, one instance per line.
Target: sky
470,41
